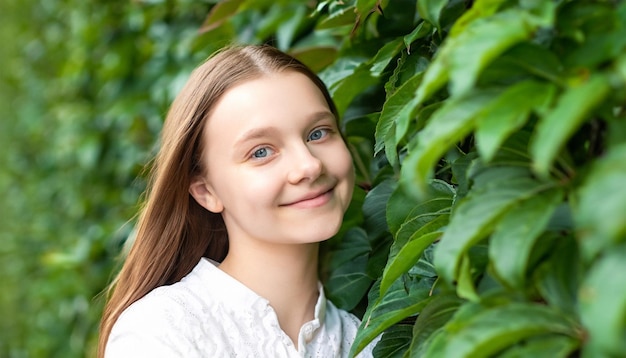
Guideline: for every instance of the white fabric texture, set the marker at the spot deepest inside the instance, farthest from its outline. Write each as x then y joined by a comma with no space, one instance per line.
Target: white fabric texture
210,314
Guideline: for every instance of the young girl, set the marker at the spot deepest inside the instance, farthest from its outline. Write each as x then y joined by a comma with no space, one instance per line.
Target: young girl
252,174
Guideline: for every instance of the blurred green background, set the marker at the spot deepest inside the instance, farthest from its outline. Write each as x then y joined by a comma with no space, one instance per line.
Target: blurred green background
83,91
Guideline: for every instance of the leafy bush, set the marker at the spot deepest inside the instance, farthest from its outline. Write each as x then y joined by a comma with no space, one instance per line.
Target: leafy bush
488,136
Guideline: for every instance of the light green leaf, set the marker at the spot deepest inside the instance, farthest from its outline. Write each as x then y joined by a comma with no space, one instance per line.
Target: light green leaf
508,113
420,31
430,10
571,110
514,236
465,283
400,106
384,56
448,125
409,254
601,212
474,218
480,9
547,346
482,42
486,333
603,303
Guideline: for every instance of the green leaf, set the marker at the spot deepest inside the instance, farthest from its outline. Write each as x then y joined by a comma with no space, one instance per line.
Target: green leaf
316,58
409,254
374,208
603,304
448,125
430,10
515,235
474,218
349,87
398,303
558,276
547,346
600,212
348,280
220,13
394,342
486,333
572,109
420,31
482,41
400,106
508,113
432,318
384,56
465,283
480,9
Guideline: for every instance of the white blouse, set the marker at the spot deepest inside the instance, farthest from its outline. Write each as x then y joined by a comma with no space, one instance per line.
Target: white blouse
210,314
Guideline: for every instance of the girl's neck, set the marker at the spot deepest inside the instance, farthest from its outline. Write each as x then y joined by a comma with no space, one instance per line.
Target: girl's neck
285,275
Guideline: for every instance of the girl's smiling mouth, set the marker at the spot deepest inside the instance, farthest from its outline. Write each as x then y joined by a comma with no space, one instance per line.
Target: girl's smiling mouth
313,199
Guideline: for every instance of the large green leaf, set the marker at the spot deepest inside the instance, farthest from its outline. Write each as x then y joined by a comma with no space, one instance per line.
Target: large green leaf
394,342
514,236
488,332
509,113
603,304
600,214
348,280
474,218
405,299
448,125
572,109
481,42
545,346
410,253
432,318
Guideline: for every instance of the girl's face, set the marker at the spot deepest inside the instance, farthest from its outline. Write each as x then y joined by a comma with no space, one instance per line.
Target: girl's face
277,167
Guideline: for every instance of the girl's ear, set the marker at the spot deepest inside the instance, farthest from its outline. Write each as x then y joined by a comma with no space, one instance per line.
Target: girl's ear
205,195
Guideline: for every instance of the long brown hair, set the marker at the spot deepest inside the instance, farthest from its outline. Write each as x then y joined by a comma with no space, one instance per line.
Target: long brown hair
173,230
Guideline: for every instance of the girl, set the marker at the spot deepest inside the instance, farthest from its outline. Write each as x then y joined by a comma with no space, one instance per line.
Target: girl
252,174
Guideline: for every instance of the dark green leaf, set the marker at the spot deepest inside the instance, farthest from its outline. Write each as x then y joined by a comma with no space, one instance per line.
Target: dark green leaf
394,342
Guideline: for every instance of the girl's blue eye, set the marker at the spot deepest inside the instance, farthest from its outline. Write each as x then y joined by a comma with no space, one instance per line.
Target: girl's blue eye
317,134
260,153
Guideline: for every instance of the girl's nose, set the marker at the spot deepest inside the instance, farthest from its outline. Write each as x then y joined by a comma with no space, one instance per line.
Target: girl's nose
304,165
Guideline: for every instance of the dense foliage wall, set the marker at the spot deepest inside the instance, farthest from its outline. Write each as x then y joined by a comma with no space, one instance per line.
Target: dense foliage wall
489,140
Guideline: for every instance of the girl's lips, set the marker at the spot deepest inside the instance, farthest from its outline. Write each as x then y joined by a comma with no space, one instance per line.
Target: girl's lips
312,201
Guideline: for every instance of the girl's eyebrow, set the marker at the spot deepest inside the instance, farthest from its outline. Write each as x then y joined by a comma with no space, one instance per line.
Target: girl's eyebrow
262,132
